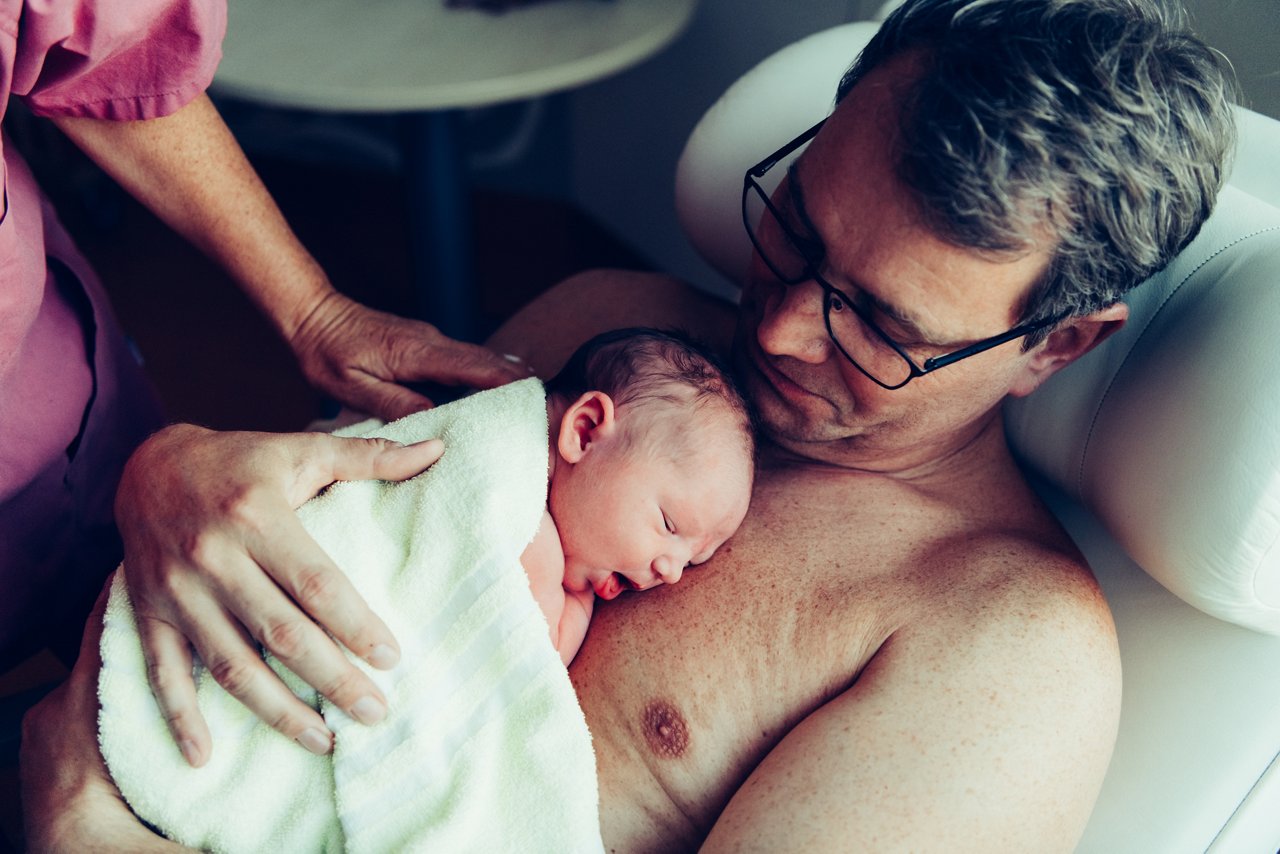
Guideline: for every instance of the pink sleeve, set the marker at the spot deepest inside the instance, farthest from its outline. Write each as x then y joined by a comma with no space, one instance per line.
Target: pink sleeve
121,60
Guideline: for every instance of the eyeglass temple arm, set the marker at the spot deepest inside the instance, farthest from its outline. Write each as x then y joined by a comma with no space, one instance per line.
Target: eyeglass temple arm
973,349
769,162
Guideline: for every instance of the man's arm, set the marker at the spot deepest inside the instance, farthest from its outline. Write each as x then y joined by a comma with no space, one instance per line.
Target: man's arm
69,803
986,727
189,170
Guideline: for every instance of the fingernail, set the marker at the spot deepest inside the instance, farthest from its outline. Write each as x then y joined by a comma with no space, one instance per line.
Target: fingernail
384,657
316,741
190,752
367,710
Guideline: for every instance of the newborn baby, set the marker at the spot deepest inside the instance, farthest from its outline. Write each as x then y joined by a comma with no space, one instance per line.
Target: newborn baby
636,463
650,472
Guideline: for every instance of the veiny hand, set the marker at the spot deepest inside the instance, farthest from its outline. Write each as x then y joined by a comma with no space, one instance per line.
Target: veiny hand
69,803
216,559
360,356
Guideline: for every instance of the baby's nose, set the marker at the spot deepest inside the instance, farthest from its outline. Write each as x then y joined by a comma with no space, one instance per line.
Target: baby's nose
669,568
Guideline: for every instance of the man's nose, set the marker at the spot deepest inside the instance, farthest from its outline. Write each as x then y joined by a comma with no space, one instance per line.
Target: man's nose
792,324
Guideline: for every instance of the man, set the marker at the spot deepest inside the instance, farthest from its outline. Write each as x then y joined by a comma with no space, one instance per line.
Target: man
900,648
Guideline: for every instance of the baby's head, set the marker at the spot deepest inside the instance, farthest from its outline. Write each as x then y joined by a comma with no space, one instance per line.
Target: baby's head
652,459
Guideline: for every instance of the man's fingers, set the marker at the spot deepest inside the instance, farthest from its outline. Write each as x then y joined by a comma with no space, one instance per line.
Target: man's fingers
393,461
168,660
329,458
327,596
236,664
215,554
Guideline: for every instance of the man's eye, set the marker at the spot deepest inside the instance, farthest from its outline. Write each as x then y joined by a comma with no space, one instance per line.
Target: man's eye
841,303
810,249
798,237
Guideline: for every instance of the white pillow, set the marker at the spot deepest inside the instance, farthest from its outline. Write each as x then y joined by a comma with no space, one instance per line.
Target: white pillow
763,110
1170,430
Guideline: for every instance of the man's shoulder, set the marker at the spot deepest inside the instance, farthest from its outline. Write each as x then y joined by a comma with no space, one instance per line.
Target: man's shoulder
1016,588
1009,566
546,331
990,710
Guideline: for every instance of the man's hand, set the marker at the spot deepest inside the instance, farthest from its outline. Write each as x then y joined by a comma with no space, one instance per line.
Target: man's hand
360,356
216,559
68,800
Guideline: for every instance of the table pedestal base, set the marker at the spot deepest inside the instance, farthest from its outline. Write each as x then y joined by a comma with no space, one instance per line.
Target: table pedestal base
440,245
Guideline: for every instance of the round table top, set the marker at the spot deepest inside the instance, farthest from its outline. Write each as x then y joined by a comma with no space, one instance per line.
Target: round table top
403,55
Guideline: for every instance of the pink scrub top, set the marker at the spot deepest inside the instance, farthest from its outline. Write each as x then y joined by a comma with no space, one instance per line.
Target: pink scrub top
73,400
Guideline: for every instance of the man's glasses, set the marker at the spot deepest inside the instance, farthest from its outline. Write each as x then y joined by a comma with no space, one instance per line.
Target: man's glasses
793,259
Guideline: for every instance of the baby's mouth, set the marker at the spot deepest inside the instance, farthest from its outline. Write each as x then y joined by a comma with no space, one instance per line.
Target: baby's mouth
615,585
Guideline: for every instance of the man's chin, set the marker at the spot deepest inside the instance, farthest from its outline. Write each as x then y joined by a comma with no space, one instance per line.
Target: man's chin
785,422
805,443
805,434
790,415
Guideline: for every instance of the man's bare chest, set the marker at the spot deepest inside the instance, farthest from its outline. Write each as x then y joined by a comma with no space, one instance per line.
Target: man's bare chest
686,689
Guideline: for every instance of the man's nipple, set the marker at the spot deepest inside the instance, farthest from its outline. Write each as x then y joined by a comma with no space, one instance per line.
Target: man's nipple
665,731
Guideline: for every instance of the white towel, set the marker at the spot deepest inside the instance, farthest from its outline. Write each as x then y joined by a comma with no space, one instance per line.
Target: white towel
484,748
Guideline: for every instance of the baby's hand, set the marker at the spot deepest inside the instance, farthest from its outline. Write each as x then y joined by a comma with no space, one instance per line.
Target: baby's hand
574,620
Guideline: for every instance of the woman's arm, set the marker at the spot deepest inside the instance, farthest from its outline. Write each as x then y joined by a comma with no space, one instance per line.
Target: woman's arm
189,170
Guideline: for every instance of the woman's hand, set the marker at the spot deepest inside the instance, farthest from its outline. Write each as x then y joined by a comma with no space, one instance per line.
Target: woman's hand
190,171
361,356
217,560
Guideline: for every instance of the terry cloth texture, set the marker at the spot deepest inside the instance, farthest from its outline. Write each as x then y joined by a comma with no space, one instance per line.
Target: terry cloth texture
484,748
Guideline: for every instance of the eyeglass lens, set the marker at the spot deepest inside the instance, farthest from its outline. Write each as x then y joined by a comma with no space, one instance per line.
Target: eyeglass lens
792,260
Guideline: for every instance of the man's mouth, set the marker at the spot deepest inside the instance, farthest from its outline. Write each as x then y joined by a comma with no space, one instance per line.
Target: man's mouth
779,381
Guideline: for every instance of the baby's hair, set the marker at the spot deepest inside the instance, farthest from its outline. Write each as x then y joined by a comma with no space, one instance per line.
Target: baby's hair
640,366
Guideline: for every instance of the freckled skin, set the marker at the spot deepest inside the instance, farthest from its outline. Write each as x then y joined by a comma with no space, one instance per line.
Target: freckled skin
665,731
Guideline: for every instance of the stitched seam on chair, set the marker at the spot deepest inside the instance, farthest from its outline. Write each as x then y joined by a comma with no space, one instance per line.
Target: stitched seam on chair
1093,423
1243,800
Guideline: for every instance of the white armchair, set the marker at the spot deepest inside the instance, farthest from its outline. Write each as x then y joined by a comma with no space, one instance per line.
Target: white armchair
1160,453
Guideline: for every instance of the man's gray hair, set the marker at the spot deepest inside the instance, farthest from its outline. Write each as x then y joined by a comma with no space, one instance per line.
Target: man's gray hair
1104,125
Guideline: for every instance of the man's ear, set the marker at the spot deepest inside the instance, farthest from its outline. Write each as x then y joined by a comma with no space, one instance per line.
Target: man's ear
588,419
1071,340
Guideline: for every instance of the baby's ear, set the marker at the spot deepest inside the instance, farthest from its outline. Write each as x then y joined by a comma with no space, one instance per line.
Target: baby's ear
588,419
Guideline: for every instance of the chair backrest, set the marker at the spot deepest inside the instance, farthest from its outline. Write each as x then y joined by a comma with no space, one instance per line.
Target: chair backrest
1170,431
